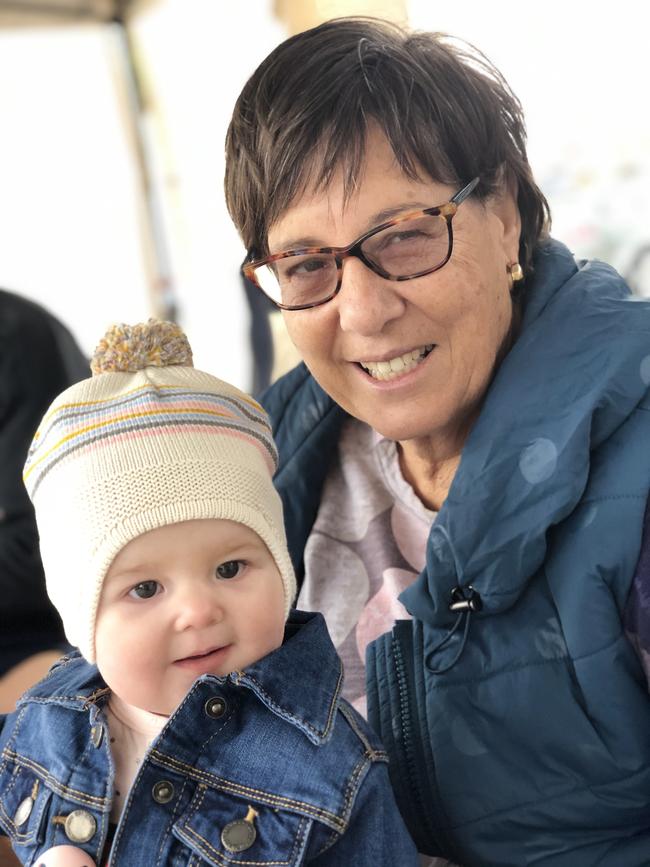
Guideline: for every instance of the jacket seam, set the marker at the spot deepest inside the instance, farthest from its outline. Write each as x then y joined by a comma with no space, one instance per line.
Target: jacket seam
193,838
224,785
332,409
330,841
172,819
373,754
286,403
226,720
351,791
587,501
23,837
286,714
520,806
352,788
36,699
301,837
13,782
555,661
206,848
61,789
605,497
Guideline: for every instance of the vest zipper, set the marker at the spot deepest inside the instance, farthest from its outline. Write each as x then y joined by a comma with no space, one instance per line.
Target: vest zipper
417,801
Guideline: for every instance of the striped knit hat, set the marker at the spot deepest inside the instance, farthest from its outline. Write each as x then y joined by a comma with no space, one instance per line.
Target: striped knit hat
147,441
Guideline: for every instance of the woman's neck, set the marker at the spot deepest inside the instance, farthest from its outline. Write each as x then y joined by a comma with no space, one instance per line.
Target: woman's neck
430,479
429,464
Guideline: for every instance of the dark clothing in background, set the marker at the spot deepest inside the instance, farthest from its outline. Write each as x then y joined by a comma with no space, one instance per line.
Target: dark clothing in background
260,309
39,358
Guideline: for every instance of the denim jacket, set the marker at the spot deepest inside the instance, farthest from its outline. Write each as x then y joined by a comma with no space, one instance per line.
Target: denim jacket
267,766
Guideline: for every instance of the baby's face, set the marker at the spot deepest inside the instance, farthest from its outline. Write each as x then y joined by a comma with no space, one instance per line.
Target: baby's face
199,597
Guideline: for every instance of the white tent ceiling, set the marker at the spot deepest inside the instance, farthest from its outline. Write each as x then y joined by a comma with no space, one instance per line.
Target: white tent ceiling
40,13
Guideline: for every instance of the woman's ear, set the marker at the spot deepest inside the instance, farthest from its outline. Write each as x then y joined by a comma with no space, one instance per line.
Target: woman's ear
503,204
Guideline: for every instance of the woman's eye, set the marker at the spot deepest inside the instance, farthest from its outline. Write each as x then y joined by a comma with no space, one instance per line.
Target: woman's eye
401,237
230,569
144,590
311,265
307,267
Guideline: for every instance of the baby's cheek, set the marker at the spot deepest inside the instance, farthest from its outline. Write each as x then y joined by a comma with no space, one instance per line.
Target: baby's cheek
122,650
273,637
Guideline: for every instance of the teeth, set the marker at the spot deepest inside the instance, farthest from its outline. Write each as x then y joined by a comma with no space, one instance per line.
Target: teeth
396,366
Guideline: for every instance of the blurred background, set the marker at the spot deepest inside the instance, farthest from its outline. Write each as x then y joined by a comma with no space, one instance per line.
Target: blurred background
113,121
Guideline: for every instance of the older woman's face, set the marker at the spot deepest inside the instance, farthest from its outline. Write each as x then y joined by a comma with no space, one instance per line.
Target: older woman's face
452,322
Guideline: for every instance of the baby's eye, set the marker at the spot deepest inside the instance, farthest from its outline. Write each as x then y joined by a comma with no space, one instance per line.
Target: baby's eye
144,590
230,569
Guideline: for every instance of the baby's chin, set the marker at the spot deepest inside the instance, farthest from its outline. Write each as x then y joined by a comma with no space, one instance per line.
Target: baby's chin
160,707
123,702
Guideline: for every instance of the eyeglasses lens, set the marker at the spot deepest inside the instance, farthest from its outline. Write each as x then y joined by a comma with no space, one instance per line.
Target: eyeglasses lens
298,280
410,246
405,249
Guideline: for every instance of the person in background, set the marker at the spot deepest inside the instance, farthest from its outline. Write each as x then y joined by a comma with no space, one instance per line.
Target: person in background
38,359
464,454
196,724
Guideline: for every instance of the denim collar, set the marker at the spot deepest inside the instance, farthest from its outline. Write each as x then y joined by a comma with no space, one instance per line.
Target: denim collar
300,681
72,682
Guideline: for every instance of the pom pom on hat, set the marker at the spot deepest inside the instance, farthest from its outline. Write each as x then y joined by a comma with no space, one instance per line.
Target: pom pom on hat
129,348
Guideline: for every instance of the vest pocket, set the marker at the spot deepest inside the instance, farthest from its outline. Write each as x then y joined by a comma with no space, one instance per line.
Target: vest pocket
223,829
23,804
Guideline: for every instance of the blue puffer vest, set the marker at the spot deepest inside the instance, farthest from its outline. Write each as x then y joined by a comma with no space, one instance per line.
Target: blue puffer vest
519,734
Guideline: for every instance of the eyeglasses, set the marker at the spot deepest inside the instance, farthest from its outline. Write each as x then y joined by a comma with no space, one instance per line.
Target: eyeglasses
404,248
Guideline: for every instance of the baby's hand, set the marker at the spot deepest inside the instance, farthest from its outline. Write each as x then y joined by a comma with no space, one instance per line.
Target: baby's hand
64,856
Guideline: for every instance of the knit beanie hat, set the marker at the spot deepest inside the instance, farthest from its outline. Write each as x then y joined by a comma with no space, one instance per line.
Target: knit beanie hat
147,441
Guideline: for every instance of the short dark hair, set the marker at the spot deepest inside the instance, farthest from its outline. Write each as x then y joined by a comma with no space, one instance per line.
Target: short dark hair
305,112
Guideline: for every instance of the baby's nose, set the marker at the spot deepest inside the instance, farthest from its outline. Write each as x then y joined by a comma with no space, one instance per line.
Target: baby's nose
198,609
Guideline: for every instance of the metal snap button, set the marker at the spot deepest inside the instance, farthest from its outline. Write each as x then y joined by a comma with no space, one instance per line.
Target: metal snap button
96,735
80,826
215,707
238,836
24,811
163,792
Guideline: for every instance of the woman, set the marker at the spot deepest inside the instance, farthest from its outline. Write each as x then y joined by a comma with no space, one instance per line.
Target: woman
473,408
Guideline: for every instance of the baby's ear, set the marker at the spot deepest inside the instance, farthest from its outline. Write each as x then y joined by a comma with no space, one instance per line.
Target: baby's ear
65,856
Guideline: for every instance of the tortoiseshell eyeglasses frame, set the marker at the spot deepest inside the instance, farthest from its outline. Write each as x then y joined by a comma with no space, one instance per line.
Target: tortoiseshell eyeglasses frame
446,211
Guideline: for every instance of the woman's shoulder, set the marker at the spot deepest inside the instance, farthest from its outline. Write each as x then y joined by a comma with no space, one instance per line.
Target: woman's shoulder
575,286
301,413
290,393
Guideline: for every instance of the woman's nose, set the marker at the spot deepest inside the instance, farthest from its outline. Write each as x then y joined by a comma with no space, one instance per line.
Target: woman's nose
366,302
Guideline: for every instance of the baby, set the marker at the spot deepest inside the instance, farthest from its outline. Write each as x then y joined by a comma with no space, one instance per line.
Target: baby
197,725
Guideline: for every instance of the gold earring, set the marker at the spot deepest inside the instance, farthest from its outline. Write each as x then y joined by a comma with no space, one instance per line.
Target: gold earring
515,272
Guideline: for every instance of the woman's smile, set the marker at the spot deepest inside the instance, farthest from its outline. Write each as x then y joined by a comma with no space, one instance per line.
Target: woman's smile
397,366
